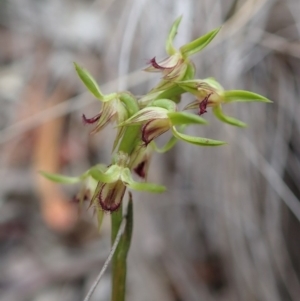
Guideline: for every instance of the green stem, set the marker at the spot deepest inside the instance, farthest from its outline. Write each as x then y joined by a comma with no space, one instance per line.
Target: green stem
131,134
118,262
119,265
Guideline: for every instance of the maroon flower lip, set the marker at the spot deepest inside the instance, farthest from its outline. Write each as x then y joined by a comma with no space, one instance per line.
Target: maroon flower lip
109,207
146,134
151,130
203,105
111,200
155,65
90,120
140,169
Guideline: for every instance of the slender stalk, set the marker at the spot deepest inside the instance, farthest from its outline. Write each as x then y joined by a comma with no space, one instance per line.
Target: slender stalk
107,261
119,264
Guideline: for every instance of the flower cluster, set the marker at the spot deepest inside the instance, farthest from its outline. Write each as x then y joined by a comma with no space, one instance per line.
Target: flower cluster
140,121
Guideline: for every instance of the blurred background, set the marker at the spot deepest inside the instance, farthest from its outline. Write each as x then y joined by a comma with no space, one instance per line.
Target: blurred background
228,227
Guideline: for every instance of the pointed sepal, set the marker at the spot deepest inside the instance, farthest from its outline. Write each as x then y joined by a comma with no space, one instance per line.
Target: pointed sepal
179,118
243,96
61,178
170,49
196,140
198,44
111,175
218,112
89,82
150,187
166,147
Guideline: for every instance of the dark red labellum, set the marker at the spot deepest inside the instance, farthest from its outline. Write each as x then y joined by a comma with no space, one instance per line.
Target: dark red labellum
157,66
113,197
203,105
90,120
146,133
140,169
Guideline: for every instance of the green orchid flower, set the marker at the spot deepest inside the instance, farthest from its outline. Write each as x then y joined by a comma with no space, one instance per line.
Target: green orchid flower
177,65
116,107
161,116
210,93
112,182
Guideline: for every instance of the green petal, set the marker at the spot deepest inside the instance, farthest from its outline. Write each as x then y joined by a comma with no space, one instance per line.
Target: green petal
169,93
128,181
130,103
217,110
62,179
170,49
190,72
213,83
111,175
198,44
194,86
89,82
178,118
166,147
243,96
192,106
163,85
146,114
164,103
196,140
95,170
